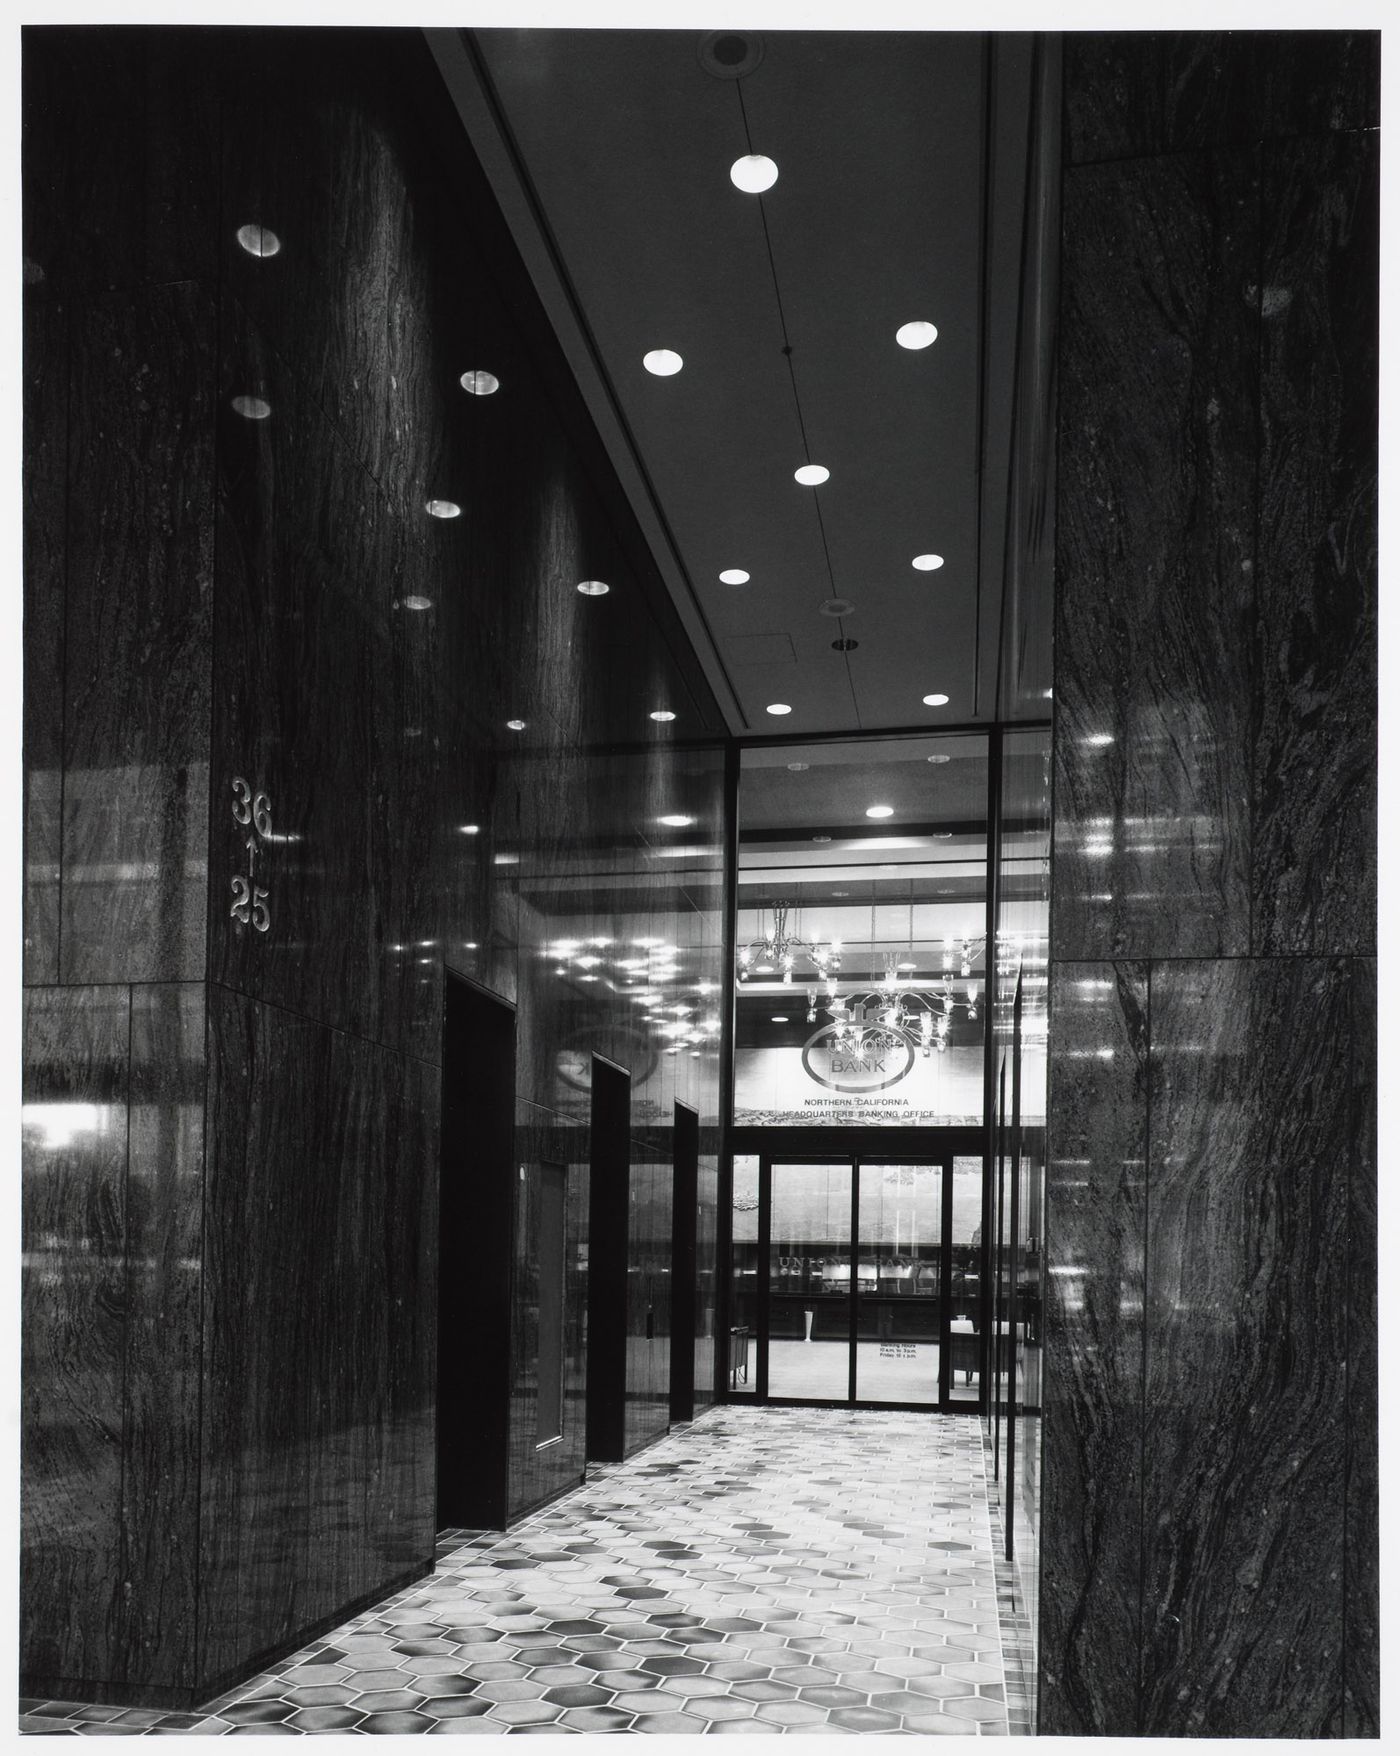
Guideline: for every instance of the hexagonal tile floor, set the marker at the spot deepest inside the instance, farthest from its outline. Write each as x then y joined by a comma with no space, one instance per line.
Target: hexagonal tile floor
762,1570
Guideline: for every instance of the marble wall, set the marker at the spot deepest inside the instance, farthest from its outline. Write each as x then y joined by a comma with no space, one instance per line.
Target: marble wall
234,588
1210,1438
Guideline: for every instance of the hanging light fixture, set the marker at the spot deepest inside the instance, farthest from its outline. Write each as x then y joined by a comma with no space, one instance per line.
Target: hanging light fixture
778,950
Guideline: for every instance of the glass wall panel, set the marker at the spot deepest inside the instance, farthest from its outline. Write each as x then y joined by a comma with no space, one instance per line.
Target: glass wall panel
964,1336
861,957
898,1290
809,1300
743,1321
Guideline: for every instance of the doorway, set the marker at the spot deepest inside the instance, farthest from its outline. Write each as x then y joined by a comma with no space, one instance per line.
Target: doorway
857,1279
476,1225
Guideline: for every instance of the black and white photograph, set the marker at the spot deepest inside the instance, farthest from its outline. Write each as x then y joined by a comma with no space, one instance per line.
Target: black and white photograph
695,1050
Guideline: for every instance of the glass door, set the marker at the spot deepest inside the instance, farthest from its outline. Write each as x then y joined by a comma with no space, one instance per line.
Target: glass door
809,1282
857,1280
900,1291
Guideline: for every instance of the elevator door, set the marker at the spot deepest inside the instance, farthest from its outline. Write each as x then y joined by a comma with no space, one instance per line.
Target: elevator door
846,1298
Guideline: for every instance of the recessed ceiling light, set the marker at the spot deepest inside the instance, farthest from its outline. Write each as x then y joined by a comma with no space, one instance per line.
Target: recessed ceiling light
935,700
594,588
837,607
676,821
444,509
252,408
515,725
480,383
778,707
662,362
928,563
417,603
259,241
880,811
734,576
471,829
778,1018
916,335
940,759
811,475
663,714
798,767
753,173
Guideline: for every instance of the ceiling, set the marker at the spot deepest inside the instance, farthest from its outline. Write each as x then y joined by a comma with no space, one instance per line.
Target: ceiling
610,152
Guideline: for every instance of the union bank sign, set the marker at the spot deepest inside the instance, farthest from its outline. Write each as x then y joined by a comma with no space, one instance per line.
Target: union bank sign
884,1057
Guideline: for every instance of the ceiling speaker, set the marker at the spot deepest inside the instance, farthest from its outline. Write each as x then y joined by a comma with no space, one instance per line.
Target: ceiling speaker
730,54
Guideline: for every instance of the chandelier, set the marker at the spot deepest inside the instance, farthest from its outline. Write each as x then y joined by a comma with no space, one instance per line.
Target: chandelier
921,1011
776,953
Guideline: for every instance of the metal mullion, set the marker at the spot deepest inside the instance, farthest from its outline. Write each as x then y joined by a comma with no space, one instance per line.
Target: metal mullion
945,1287
851,1385
765,1245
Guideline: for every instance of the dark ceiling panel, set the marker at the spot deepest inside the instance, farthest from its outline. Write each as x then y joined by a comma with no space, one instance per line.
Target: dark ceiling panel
876,220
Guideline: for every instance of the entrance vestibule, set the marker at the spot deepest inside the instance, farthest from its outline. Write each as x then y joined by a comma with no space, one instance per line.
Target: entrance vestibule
857,1277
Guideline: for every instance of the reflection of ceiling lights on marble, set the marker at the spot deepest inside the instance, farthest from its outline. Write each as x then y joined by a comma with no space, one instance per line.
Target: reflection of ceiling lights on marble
259,240
444,509
594,588
417,603
940,758
471,829
798,767
515,725
252,408
676,821
662,362
480,383
663,716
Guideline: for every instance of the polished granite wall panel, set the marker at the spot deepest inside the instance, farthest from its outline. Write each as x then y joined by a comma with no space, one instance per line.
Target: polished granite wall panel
1144,93
1097,1229
1361,1604
161,1392
537,1473
1314,783
321,1192
73,1302
1155,543
120,186
1245,1366
45,567
1256,1332
365,657
138,606
321,673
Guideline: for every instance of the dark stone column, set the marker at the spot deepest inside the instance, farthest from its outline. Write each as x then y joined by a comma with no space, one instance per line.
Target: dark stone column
1209,1540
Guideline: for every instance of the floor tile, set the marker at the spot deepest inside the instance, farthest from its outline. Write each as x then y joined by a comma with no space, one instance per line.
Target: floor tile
760,1572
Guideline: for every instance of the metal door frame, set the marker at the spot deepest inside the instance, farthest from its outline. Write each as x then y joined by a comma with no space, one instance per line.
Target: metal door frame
943,1157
